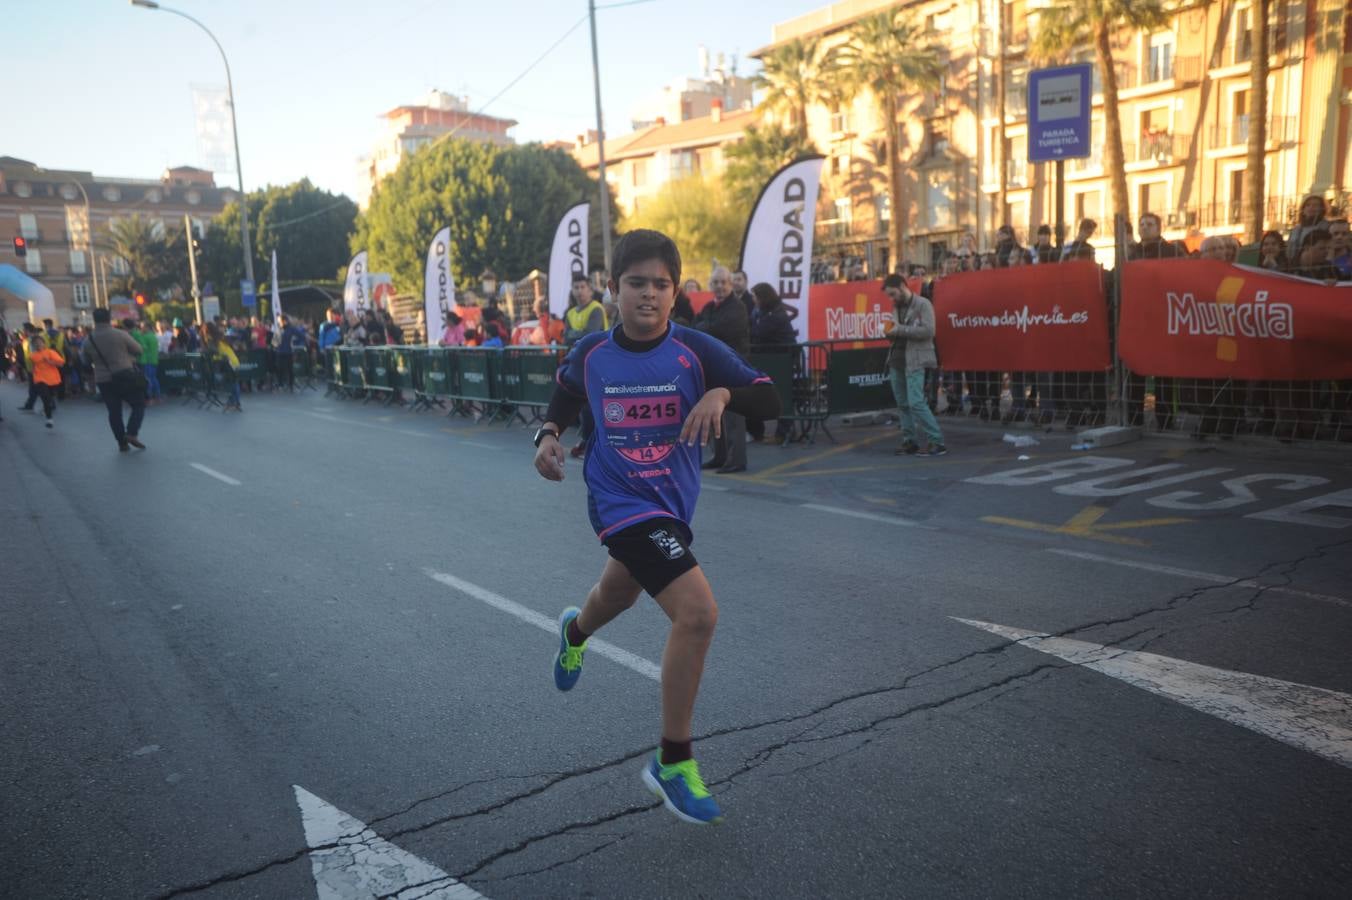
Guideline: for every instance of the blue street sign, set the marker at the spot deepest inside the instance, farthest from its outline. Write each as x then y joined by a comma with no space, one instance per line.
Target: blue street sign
246,294
1059,101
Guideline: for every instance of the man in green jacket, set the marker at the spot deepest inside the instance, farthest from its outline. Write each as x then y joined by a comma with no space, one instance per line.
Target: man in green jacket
150,358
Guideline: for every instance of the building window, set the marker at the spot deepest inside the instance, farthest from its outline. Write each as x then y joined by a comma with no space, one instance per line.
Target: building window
1159,58
120,267
939,199
69,192
640,169
33,261
28,226
80,296
199,228
153,195
23,189
1089,205
1016,94
157,228
1156,139
840,118
684,163
1241,46
938,140
77,262
193,198
840,164
112,194
1153,197
885,208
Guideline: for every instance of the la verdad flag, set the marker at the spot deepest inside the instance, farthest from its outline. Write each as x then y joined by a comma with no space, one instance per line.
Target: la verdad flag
356,289
777,246
1048,318
1202,318
438,285
568,255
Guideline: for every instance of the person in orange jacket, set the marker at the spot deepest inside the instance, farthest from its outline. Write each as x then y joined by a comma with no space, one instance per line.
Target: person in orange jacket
47,365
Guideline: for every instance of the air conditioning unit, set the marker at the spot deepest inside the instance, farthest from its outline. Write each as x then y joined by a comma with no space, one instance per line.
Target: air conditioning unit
1175,219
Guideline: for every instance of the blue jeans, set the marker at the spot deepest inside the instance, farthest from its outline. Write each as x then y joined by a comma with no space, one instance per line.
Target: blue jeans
152,373
908,388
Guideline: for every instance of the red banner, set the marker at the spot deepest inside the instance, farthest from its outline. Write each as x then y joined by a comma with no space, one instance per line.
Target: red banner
846,311
1208,319
1025,319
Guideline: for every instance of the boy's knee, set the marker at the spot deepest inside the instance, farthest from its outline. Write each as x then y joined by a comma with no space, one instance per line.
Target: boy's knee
700,618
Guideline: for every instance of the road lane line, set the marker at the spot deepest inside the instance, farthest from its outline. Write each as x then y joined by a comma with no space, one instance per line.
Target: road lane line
214,474
1200,576
872,517
421,434
544,623
1314,719
349,860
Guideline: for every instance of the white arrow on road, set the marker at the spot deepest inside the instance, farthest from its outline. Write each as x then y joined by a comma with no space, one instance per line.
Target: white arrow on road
1311,718
352,862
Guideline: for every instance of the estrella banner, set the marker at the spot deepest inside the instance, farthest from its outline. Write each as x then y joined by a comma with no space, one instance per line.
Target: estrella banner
567,256
438,286
1023,319
777,245
1209,319
356,288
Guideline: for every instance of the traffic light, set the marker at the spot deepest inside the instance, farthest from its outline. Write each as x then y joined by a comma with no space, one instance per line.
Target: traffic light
140,299
20,247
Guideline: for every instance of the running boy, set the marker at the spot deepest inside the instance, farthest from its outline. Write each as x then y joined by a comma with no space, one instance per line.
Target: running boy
657,391
47,365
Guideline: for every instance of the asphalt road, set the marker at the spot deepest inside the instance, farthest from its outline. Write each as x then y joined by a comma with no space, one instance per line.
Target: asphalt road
211,647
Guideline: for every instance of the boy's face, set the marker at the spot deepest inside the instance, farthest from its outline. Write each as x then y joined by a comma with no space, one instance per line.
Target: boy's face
645,295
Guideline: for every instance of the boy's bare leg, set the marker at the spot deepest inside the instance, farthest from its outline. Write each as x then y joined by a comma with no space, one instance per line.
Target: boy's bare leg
689,603
613,594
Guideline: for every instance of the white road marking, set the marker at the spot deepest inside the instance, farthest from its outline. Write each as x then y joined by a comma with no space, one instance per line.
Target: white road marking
355,862
1200,576
544,623
421,434
872,517
479,445
714,487
214,474
1310,718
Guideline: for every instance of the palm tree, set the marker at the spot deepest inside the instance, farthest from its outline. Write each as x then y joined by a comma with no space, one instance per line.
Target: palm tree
791,78
1253,167
135,240
885,54
761,150
1064,24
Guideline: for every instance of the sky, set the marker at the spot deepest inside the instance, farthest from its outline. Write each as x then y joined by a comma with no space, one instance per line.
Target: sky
103,86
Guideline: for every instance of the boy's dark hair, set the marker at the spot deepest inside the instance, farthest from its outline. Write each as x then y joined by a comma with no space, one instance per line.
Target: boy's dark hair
579,276
643,244
102,316
893,281
1044,229
1088,225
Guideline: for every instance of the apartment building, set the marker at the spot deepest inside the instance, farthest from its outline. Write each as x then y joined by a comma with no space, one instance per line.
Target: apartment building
1184,107
64,216
639,164
407,128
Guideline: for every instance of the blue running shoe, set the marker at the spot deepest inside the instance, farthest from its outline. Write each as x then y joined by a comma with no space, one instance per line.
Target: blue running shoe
682,791
568,664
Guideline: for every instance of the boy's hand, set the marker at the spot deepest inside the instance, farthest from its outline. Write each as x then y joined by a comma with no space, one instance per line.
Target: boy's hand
549,458
706,419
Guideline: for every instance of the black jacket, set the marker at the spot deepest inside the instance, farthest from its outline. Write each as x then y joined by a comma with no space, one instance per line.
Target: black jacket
772,326
728,322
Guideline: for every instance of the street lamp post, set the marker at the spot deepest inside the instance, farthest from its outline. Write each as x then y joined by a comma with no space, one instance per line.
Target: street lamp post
600,139
234,130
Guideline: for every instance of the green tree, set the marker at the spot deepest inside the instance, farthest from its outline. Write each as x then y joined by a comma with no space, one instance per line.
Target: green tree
308,227
143,247
502,205
1063,25
885,54
702,217
791,78
762,151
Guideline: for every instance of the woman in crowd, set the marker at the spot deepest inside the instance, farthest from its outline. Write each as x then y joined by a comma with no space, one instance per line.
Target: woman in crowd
1313,214
1272,252
453,335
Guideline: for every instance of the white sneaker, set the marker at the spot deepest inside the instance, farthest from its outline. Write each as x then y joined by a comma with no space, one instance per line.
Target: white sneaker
49,423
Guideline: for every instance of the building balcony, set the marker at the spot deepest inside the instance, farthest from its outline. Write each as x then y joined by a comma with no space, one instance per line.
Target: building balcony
1162,147
1016,173
1279,213
1235,133
1178,69
1087,165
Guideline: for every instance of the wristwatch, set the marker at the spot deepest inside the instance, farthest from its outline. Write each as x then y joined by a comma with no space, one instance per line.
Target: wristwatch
540,435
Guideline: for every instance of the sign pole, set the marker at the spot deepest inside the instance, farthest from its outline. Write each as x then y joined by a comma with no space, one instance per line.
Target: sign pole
1060,207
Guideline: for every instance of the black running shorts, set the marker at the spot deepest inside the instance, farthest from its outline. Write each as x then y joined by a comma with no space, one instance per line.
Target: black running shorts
655,551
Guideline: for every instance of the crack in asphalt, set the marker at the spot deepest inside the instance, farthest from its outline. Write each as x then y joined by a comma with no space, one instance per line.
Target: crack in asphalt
1289,568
